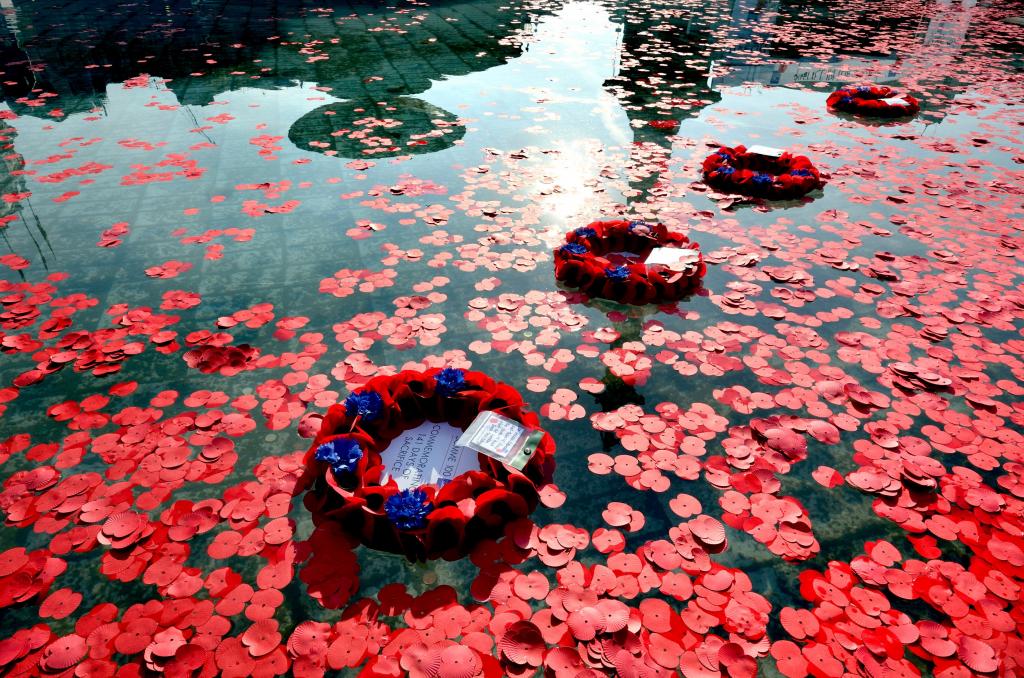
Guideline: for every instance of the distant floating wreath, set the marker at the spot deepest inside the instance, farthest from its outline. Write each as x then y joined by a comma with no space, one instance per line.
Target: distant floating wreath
607,259
873,100
777,178
426,521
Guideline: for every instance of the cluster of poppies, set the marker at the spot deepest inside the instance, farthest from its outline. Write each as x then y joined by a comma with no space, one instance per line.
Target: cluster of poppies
735,170
350,483
605,259
873,100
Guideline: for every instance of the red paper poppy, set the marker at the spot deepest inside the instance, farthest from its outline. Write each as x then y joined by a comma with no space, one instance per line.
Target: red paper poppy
873,100
606,259
734,170
425,522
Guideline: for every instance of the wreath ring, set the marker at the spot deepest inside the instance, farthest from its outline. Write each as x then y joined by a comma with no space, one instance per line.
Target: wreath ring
605,259
735,170
347,473
873,100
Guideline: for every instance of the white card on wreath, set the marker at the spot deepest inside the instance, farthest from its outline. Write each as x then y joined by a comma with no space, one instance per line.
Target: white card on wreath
895,101
767,151
495,435
427,454
671,255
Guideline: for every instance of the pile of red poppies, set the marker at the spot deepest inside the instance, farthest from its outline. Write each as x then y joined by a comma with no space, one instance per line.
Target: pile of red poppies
873,100
735,170
346,470
605,259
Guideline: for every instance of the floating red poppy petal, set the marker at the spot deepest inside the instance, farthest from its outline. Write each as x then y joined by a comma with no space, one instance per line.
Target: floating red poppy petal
63,653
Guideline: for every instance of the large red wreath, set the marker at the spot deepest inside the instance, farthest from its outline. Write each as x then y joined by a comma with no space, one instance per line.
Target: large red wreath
871,100
591,261
734,170
426,522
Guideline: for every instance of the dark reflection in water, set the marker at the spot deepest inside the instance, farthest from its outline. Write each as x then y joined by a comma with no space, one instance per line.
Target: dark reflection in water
371,129
360,50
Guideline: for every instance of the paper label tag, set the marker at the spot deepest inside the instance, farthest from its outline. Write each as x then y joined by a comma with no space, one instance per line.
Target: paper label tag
427,454
671,255
501,438
895,101
768,151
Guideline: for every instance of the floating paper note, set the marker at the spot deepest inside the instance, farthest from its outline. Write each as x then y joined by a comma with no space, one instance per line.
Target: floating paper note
496,436
768,151
671,255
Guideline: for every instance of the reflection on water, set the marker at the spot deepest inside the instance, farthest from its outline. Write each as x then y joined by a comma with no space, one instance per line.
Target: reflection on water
368,129
347,188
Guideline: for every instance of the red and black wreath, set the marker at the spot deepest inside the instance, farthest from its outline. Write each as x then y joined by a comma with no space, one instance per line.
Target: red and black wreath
606,259
424,522
787,176
874,100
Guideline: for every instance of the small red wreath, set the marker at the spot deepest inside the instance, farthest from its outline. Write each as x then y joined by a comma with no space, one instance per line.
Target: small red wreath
873,100
734,170
591,261
425,522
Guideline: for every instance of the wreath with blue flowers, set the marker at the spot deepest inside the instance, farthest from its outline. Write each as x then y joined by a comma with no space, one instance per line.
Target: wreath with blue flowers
734,170
606,259
872,100
346,475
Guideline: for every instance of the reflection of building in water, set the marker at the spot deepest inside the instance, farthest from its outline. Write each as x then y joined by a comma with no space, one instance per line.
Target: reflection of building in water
753,60
734,74
947,27
940,36
362,52
658,78
16,194
10,13
12,180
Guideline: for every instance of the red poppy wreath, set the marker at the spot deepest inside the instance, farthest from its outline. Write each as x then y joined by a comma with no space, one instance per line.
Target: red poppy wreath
784,177
352,485
873,100
607,259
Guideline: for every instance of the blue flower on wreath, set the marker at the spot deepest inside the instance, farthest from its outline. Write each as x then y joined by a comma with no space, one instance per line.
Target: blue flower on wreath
863,89
585,232
760,179
367,405
724,155
342,454
801,173
408,510
726,170
449,381
575,248
617,273
640,223
846,100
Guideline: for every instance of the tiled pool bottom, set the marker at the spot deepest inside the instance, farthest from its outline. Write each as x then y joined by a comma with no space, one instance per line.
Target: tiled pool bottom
221,218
